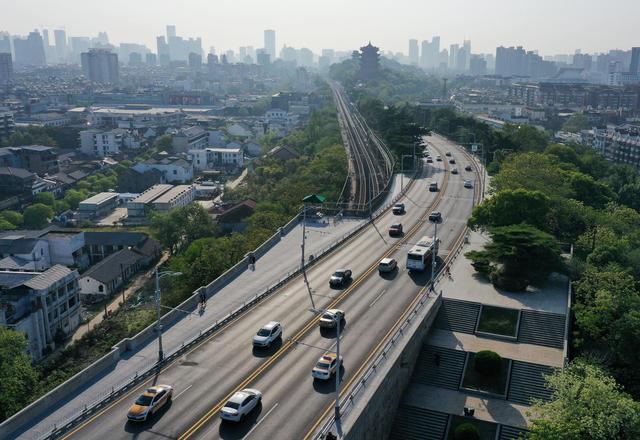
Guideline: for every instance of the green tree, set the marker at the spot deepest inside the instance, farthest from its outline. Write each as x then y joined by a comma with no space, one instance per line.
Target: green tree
466,431
586,404
588,190
534,172
487,363
181,226
73,198
563,153
164,142
509,207
18,379
37,216
46,198
6,226
521,254
576,123
629,195
13,217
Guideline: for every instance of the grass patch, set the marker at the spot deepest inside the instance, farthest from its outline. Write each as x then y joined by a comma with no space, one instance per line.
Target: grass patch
486,430
498,321
496,383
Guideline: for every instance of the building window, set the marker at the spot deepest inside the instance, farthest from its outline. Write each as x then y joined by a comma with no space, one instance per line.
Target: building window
100,288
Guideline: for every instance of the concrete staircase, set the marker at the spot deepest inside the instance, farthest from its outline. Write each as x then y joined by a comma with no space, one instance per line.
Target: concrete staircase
511,433
527,382
413,423
458,316
542,328
440,367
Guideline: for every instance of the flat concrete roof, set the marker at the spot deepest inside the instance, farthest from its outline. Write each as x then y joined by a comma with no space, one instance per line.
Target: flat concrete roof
173,193
99,198
152,193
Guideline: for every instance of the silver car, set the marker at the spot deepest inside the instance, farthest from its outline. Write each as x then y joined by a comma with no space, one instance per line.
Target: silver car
240,404
329,318
267,334
387,265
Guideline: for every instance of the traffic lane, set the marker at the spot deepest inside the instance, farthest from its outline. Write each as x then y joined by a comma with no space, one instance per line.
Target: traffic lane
379,300
187,371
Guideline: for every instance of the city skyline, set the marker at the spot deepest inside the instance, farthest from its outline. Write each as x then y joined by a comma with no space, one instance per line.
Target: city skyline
318,27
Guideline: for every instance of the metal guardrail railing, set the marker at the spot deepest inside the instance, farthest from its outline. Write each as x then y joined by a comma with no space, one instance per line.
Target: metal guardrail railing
88,410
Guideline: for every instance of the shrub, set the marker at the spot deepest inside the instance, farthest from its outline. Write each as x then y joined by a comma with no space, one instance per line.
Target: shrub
487,362
466,431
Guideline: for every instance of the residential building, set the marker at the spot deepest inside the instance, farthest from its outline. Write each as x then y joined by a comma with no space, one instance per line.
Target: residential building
414,52
619,144
232,217
134,116
191,138
515,61
100,66
577,96
134,181
179,195
6,68
14,181
62,50
174,169
47,119
45,306
29,51
634,67
37,159
105,278
100,245
98,206
217,158
101,143
7,124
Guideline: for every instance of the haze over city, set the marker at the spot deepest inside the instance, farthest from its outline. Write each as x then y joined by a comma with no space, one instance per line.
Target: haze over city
550,26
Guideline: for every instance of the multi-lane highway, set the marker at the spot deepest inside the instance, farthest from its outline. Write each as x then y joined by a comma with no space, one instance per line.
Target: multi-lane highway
293,402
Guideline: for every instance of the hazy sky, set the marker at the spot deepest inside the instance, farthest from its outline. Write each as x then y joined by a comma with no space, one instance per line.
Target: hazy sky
551,26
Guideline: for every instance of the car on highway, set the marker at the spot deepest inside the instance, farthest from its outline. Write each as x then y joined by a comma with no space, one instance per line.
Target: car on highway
398,208
326,366
454,170
467,168
433,186
150,401
448,153
340,277
429,160
240,404
435,216
439,158
330,317
269,333
452,161
468,184
387,265
395,229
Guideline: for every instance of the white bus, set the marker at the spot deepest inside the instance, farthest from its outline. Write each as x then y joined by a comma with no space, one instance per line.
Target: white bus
419,256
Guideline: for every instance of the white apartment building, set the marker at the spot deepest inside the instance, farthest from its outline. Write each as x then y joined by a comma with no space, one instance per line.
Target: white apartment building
173,169
134,116
99,143
216,158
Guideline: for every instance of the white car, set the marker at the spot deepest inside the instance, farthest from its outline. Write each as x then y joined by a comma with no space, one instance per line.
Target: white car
240,404
468,184
387,265
326,366
149,402
267,334
329,318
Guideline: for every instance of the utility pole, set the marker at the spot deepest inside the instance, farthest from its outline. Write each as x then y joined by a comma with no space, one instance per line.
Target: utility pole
158,324
434,255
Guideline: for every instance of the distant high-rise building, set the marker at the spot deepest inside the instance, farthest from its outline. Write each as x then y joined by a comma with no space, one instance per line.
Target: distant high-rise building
477,65
102,38
467,49
583,60
179,48
29,51
78,46
135,59
6,68
151,59
212,59
515,61
435,52
101,66
453,56
424,53
60,37
305,57
461,60
171,31
163,50
270,43
414,52
263,57
5,43
195,60
634,67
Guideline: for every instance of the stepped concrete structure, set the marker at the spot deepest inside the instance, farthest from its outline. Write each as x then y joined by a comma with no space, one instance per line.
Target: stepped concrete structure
535,346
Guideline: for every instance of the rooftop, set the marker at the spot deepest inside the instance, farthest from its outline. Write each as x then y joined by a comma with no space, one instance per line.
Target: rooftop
152,193
174,192
99,198
111,267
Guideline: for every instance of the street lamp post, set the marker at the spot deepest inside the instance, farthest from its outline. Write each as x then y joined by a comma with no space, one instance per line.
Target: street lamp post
434,255
159,275
313,198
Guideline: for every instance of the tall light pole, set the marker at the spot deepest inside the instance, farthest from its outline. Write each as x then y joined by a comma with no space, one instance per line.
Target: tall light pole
158,301
434,254
313,198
